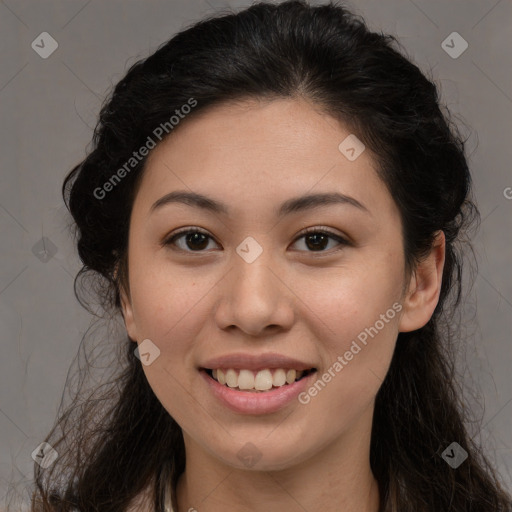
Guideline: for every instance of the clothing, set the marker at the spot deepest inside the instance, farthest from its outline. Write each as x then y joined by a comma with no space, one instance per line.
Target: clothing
169,498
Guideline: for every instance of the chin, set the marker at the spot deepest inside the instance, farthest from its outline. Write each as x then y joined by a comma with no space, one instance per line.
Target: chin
264,454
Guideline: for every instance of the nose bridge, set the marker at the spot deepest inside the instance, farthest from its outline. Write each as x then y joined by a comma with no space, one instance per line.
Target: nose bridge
255,273
255,297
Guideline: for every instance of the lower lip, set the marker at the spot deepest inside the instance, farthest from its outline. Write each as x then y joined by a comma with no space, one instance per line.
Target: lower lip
248,402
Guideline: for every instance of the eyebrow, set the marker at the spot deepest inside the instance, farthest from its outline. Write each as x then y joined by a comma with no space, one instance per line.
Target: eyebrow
294,205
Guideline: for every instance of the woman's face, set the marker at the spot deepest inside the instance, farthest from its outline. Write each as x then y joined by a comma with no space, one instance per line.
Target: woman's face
255,295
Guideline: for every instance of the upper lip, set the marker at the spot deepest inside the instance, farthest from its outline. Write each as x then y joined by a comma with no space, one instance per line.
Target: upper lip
252,362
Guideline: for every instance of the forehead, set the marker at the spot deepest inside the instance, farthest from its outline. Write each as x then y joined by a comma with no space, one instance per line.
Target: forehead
261,151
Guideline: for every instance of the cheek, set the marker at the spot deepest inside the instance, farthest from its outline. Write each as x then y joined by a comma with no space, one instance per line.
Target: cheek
355,363
356,324
168,303
347,302
170,309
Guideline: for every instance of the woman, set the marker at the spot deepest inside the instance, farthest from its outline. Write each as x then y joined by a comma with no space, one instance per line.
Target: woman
274,202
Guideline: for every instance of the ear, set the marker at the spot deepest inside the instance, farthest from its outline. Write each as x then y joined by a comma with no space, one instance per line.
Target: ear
424,288
128,316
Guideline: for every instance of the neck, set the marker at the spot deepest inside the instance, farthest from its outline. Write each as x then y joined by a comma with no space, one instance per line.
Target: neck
336,478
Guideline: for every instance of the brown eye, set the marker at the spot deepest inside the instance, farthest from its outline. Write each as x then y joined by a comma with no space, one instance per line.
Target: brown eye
317,240
194,240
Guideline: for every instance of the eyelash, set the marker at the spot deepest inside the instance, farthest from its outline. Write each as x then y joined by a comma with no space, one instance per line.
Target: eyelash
316,230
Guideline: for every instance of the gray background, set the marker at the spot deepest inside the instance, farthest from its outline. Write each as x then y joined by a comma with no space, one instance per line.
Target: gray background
48,110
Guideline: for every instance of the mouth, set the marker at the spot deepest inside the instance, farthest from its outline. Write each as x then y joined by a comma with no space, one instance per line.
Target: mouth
261,381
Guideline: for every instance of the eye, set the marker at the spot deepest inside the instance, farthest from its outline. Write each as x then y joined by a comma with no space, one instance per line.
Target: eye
196,240
317,239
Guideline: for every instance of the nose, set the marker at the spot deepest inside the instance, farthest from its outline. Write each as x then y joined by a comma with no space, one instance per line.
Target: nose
255,298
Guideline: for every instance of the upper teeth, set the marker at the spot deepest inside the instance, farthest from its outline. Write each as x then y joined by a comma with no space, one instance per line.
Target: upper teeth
261,380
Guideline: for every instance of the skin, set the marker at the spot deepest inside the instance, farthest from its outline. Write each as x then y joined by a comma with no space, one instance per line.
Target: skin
293,300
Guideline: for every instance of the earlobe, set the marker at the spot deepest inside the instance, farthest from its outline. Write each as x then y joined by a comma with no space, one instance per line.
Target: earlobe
127,310
424,288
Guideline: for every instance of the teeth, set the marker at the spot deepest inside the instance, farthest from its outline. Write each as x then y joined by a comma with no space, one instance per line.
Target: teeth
262,380
231,378
279,378
246,380
290,376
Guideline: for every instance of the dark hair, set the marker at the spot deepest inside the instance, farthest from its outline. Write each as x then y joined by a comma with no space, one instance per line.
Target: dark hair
327,55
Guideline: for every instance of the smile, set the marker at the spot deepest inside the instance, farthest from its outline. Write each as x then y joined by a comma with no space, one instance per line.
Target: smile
254,401
257,381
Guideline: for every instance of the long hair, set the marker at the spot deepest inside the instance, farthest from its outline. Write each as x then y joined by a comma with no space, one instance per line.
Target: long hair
116,441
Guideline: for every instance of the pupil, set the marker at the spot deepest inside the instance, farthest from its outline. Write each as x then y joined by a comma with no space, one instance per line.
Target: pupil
315,238
193,238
